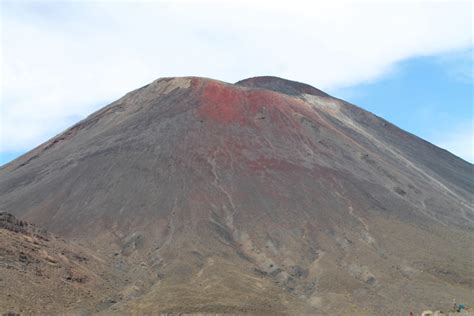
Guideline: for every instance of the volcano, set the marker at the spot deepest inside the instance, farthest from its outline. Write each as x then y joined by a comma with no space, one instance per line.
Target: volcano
266,196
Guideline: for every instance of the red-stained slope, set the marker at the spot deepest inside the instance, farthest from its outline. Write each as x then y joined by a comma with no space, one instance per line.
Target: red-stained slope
226,103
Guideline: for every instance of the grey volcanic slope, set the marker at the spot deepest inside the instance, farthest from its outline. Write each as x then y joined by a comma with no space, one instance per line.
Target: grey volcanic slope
264,196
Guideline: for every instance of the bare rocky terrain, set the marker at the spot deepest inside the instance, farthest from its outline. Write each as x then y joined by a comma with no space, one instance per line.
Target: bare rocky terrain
267,196
42,273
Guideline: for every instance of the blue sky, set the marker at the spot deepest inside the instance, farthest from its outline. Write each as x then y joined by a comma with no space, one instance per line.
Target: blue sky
431,97
409,62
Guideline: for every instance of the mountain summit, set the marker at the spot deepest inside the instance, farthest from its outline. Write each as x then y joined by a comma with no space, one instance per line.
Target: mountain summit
281,85
267,196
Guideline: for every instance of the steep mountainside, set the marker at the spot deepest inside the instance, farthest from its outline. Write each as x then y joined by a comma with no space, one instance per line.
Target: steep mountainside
264,196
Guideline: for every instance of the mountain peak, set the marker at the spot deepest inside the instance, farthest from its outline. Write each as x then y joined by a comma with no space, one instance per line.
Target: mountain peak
196,195
281,85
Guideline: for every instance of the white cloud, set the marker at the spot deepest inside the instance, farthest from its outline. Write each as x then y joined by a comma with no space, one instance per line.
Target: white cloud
60,61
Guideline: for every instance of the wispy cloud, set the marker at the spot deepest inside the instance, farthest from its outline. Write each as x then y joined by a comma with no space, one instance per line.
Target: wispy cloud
60,61
459,65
